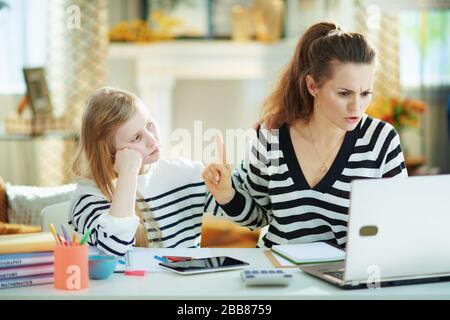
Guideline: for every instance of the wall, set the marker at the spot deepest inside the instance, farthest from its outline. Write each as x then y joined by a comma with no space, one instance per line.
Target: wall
436,139
119,10
219,104
300,14
8,105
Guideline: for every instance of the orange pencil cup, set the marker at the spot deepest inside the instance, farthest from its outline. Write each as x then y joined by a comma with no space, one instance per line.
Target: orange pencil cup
71,267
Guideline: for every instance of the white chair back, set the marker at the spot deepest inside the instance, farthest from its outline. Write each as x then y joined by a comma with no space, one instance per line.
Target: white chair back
57,214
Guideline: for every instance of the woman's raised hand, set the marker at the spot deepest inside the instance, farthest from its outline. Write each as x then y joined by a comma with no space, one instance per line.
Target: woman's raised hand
127,160
217,176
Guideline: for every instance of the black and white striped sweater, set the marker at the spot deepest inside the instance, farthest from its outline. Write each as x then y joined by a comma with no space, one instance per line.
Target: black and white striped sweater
272,190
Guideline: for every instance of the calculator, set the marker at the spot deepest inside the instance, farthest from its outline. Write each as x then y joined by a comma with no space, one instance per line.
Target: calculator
266,277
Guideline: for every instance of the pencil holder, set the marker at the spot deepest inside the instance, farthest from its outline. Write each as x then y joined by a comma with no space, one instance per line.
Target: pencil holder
71,267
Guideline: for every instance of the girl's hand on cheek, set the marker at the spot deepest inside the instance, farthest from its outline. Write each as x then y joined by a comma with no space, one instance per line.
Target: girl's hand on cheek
127,160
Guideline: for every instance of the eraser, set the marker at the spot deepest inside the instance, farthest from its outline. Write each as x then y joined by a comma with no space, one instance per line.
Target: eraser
135,273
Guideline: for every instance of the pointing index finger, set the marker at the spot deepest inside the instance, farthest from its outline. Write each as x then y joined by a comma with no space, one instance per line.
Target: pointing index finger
221,148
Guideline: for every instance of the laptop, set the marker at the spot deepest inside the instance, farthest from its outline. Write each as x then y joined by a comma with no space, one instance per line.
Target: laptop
398,233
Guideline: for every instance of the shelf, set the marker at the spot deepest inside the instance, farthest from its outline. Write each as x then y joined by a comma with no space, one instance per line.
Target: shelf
207,59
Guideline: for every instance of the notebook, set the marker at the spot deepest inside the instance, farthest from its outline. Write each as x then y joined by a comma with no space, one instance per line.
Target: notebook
26,242
310,253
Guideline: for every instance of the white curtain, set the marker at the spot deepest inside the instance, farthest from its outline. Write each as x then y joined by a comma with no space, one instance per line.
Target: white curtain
76,54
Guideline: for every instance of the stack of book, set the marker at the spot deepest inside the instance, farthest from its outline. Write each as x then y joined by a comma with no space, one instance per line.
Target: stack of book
26,259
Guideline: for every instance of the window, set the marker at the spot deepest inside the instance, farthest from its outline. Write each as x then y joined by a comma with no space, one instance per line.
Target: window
23,41
425,48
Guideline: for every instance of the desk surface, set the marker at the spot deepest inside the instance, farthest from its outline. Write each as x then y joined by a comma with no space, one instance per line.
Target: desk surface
223,285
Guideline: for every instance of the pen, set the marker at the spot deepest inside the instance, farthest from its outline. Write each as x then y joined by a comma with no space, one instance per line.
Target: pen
74,239
63,243
177,259
52,229
163,259
66,235
86,235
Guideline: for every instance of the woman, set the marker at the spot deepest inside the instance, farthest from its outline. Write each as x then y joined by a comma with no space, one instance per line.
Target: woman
314,140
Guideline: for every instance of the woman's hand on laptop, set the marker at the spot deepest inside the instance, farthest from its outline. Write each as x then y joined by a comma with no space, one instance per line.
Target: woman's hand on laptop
217,176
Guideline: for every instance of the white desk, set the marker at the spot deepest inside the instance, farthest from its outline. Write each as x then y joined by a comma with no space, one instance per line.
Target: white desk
223,285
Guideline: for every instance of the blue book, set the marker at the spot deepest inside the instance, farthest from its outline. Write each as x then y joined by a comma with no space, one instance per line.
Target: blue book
26,281
25,259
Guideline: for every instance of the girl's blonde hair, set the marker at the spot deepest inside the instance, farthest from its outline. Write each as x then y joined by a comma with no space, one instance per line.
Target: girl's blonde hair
106,109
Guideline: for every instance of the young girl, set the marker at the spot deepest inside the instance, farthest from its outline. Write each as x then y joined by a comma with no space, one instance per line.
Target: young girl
128,196
314,140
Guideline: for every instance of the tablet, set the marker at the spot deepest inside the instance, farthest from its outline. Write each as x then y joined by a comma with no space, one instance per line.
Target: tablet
203,265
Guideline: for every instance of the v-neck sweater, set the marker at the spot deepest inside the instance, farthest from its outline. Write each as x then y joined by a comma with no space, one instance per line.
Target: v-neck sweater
271,189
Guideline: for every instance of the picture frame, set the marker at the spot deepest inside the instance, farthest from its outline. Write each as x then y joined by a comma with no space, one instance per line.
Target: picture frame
37,92
221,17
194,15
224,25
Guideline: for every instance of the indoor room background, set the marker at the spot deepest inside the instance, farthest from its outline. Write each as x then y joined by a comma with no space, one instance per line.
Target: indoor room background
204,64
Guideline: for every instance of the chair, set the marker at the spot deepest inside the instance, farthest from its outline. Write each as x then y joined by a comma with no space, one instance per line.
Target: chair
56,214
217,232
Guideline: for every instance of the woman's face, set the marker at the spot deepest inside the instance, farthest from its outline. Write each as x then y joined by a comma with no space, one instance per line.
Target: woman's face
141,134
344,98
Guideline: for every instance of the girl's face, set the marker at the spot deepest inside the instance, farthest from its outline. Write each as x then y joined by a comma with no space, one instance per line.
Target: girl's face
344,98
141,134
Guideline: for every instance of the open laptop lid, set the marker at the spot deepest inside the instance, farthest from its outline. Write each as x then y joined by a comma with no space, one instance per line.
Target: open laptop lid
398,227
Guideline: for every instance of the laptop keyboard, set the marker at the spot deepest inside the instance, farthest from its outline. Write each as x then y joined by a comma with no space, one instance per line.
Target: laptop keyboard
336,274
